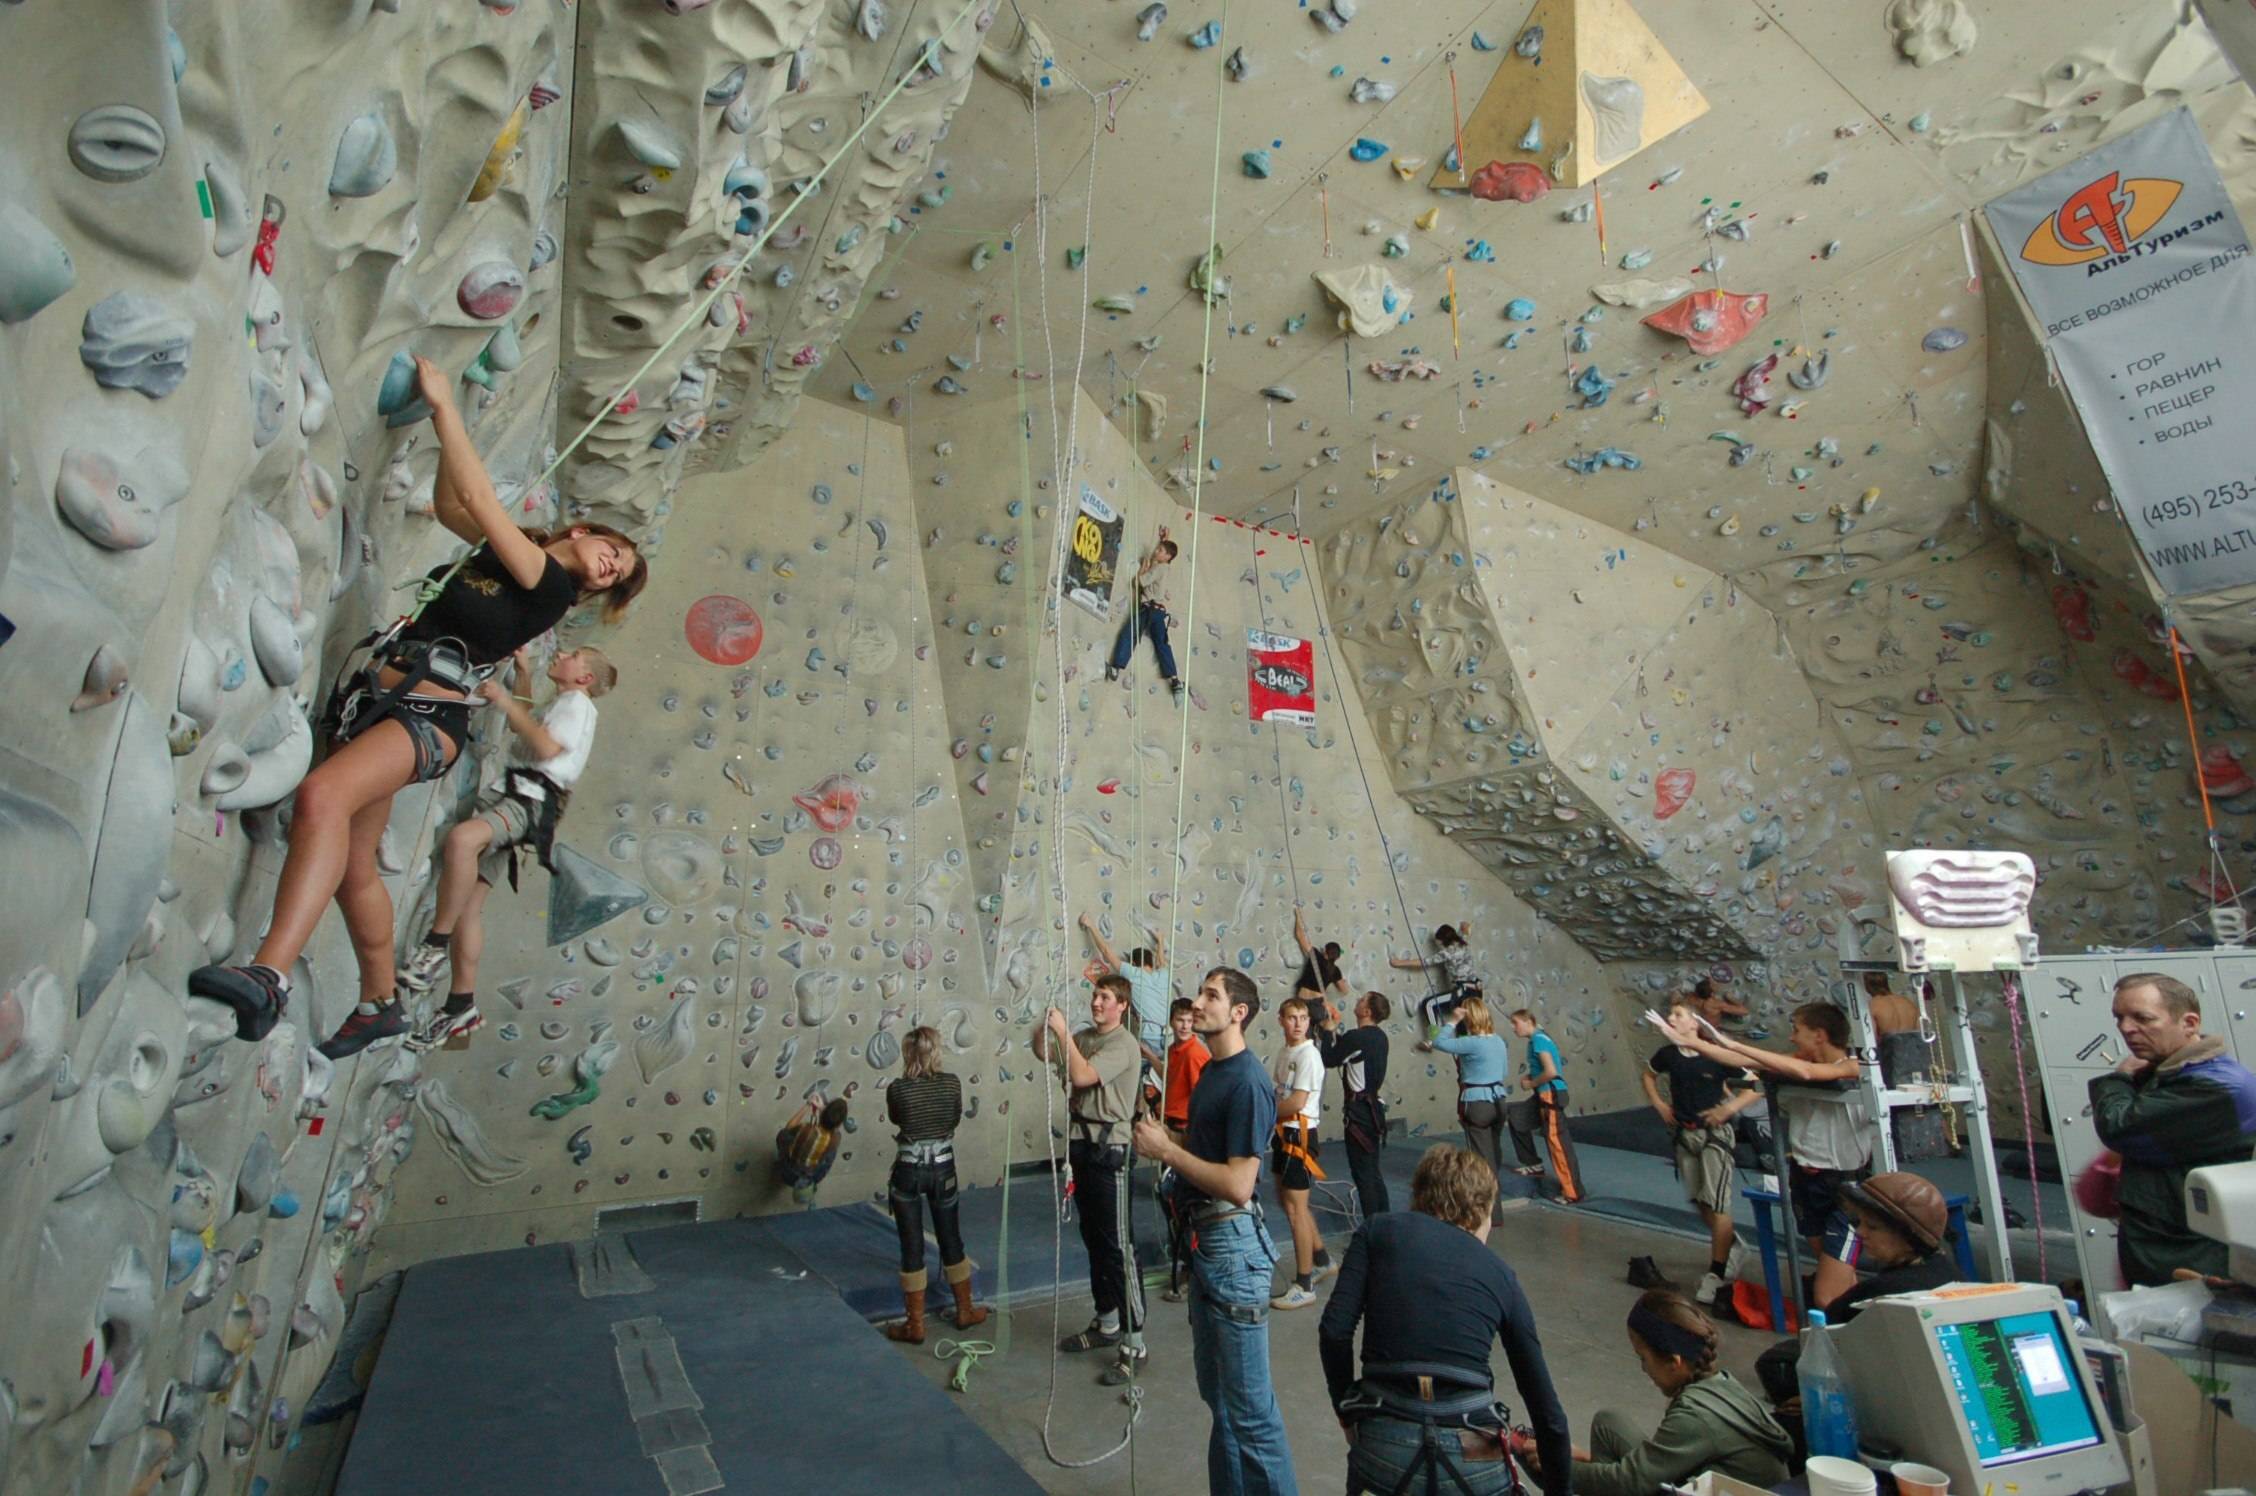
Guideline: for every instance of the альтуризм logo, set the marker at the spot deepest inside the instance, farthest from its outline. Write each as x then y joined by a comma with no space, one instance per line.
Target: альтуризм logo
2101,218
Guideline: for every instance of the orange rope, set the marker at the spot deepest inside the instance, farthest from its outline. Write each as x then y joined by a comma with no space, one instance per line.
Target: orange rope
1324,195
1598,207
1454,346
2185,699
1457,121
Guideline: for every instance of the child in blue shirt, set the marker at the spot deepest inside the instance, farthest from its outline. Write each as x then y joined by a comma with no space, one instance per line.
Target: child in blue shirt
1544,1110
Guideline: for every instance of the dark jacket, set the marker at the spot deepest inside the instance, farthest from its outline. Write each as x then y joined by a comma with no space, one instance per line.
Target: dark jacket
1714,1424
2196,1108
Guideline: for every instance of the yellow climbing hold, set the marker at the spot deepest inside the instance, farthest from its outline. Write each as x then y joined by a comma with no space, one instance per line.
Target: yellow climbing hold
1407,167
1728,527
497,160
1429,218
1869,501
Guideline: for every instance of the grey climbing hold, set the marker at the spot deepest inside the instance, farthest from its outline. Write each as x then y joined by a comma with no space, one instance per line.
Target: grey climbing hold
1812,374
116,143
131,342
1283,394
1237,65
1943,340
1530,43
1255,164
1371,91
35,268
367,156
1149,20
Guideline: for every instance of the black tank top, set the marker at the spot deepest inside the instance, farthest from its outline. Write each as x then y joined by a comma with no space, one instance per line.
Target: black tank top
483,606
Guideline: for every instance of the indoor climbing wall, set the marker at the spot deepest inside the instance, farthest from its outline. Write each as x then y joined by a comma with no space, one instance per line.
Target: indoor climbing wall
769,801
1272,815
222,229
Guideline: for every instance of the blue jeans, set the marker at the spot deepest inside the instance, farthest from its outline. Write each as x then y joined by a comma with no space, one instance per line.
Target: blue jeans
1246,1454
1154,623
1385,1448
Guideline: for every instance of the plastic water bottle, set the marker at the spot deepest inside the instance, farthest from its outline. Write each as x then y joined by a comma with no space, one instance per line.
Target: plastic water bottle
1828,1412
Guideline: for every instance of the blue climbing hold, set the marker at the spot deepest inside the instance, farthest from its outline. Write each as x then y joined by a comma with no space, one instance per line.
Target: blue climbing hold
1256,164
1593,386
1520,309
1587,463
1367,149
1207,35
1480,251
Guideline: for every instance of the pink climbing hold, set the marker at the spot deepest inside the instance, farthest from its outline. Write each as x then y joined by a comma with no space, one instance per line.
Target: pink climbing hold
2222,774
833,802
491,290
917,954
2142,677
1510,182
1711,321
1671,788
726,630
1753,387
826,853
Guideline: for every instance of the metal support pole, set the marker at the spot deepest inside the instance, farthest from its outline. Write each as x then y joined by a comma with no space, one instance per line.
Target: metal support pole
1790,1230
1981,1147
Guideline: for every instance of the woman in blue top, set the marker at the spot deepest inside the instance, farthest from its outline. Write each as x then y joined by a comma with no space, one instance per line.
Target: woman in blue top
1483,1063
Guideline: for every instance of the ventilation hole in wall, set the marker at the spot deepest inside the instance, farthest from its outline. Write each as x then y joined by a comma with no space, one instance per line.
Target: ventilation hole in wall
650,1216
530,323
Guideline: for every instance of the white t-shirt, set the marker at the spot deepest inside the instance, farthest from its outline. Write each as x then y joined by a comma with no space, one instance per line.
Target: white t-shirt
1300,1067
570,719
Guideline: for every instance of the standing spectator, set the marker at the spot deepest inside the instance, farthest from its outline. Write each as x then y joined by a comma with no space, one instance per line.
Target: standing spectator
1217,1170
1544,1110
1299,1078
2176,1103
1360,1056
1484,1069
1432,1298
1698,1115
926,1105
1099,1065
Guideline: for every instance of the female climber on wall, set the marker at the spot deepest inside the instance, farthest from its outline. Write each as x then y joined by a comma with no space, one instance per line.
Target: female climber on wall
407,722
1147,614
1455,958
925,1104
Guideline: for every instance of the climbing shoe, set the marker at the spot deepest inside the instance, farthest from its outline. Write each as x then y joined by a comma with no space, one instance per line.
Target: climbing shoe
1123,1371
363,1027
258,994
1094,1338
423,968
1176,688
449,1022
1112,674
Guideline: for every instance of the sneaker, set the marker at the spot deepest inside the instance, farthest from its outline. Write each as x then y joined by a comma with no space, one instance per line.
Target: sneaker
1644,1272
1710,1286
1123,1371
363,1028
447,1023
1324,1270
1094,1338
1175,688
1173,1295
1735,1262
1295,1297
258,994
422,968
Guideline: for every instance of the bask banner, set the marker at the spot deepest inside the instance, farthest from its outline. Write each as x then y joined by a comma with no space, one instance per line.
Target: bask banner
1280,679
2137,266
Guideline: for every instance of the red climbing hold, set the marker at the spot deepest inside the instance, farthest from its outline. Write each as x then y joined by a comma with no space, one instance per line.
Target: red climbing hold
1711,321
1671,788
1510,182
2142,677
2071,604
2224,775
834,802
1109,787
726,630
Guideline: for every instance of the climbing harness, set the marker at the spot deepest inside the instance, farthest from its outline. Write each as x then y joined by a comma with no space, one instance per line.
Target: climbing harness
1457,1415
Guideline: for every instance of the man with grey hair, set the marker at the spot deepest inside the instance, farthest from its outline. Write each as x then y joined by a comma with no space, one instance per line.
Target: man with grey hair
2177,1102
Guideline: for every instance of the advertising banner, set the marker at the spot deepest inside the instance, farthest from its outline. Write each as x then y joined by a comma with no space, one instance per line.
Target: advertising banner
1280,679
2137,268
1093,554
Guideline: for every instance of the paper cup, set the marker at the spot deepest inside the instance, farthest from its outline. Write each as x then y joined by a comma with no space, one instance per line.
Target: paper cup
1830,1475
1919,1480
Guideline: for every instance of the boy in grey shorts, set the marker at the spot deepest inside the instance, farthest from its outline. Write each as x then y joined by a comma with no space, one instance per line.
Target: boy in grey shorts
518,812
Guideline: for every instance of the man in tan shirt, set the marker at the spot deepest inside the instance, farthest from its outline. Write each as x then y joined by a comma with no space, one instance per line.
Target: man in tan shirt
1099,1066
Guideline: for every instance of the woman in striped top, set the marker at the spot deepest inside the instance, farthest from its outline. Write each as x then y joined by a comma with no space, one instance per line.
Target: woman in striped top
925,1105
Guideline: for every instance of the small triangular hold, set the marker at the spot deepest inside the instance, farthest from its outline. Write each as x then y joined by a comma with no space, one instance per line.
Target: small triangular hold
1586,86
582,895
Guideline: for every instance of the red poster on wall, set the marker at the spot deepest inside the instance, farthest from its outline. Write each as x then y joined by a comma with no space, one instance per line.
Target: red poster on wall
1280,679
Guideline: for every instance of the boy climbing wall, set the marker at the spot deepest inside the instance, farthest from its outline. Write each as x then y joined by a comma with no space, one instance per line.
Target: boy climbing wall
519,810
1148,615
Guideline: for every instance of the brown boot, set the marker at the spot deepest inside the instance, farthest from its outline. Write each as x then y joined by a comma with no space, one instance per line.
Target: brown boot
967,1313
910,1331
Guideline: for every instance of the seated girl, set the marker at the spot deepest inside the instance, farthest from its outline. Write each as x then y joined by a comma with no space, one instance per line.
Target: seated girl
410,724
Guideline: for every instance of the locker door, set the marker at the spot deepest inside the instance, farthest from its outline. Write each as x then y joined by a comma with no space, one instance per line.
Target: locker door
2069,1011
2234,1017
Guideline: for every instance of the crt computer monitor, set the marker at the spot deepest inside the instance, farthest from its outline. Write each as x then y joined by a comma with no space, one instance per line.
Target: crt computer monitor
1987,1383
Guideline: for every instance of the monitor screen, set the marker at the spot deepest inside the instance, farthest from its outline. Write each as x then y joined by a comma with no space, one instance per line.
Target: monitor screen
2017,1387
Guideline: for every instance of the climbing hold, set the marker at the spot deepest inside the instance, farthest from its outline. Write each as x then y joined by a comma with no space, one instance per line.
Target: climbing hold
116,143
1237,65
1930,31
1149,20
1605,457
1206,36
1334,16
35,268
1943,340
1366,149
491,290
649,144
1711,321
1256,164
367,156
1519,309
1283,394
503,151
1510,181
1812,374
1531,139
1752,388
131,342
1530,43
1593,386
1671,788
1371,91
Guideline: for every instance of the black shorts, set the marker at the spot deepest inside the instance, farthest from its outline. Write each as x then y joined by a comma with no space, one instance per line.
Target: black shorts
1291,1172
438,728
1817,1207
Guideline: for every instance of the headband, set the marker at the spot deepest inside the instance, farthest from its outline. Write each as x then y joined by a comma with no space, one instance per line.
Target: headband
1666,1337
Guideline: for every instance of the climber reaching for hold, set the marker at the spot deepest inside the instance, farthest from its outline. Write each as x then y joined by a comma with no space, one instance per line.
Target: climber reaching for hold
1147,614
404,719
519,810
1455,958
1151,1000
